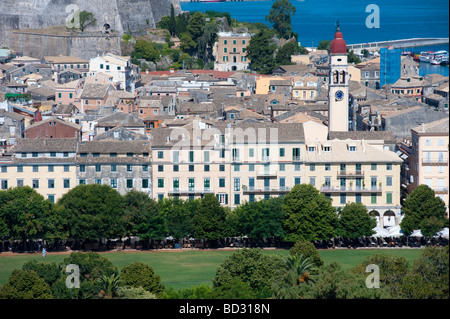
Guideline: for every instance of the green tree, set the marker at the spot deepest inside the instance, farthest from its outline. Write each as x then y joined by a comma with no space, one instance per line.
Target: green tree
182,23
203,291
206,41
187,45
324,45
25,284
50,272
24,214
352,57
145,50
177,217
250,266
260,51
354,221
195,26
260,219
283,56
93,211
309,214
392,270
173,22
139,274
110,286
142,217
92,268
298,270
333,282
235,289
134,293
209,219
421,205
429,276
431,226
280,17
87,19
307,249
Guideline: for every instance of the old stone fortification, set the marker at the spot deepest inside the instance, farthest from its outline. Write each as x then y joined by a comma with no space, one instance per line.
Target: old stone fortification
17,17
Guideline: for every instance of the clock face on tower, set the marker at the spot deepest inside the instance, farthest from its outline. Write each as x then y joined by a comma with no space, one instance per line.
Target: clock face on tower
339,95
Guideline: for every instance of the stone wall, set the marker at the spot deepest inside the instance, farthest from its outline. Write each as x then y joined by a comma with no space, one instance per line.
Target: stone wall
38,45
121,15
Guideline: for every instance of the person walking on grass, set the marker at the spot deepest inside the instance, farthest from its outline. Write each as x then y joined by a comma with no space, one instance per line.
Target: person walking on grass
44,251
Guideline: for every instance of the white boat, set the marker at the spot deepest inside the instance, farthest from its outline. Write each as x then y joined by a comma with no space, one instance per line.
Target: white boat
435,61
426,56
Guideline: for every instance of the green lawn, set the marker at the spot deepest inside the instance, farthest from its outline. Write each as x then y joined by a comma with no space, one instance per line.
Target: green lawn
183,269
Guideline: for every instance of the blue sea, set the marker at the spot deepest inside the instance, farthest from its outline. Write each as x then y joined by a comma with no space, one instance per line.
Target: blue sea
315,20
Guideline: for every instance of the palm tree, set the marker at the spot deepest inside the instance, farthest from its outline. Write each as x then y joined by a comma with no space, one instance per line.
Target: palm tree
298,270
110,286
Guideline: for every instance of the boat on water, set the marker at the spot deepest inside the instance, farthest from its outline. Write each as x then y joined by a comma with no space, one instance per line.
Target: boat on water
426,56
438,57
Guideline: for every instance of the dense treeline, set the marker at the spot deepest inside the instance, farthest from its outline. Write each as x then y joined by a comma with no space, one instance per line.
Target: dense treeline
248,273
93,212
88,213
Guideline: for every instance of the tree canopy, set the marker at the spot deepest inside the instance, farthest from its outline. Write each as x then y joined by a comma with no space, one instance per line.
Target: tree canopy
260,51
309,214
93,211
280,17
355,222
422,208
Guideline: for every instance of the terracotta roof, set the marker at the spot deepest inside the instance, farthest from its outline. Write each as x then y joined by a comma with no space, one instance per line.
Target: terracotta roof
439,126
45,145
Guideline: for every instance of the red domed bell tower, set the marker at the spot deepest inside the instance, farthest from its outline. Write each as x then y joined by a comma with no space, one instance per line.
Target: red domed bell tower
338,84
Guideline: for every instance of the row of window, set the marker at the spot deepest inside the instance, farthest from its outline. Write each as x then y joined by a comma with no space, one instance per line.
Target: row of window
343,185
113,167
36,154
35,183
281,167
225,50
225,59
223,198
113,154
107,67
234,41
235,153
113,182
98,168
206,167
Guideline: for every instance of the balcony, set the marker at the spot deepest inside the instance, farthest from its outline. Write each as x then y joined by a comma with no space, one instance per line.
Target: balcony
354,174
350,189
191,191
434,161
266,189
266,173
440,190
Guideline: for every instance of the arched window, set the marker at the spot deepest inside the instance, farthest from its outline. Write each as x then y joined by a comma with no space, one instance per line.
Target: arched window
335,77
342,80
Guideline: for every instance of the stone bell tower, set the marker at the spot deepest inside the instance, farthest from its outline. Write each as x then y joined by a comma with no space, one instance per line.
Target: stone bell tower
338,85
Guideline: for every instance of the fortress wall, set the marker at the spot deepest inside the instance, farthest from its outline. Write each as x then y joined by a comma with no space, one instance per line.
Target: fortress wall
121,15
39,45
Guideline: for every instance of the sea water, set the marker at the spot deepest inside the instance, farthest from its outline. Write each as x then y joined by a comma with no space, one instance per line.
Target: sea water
315,20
